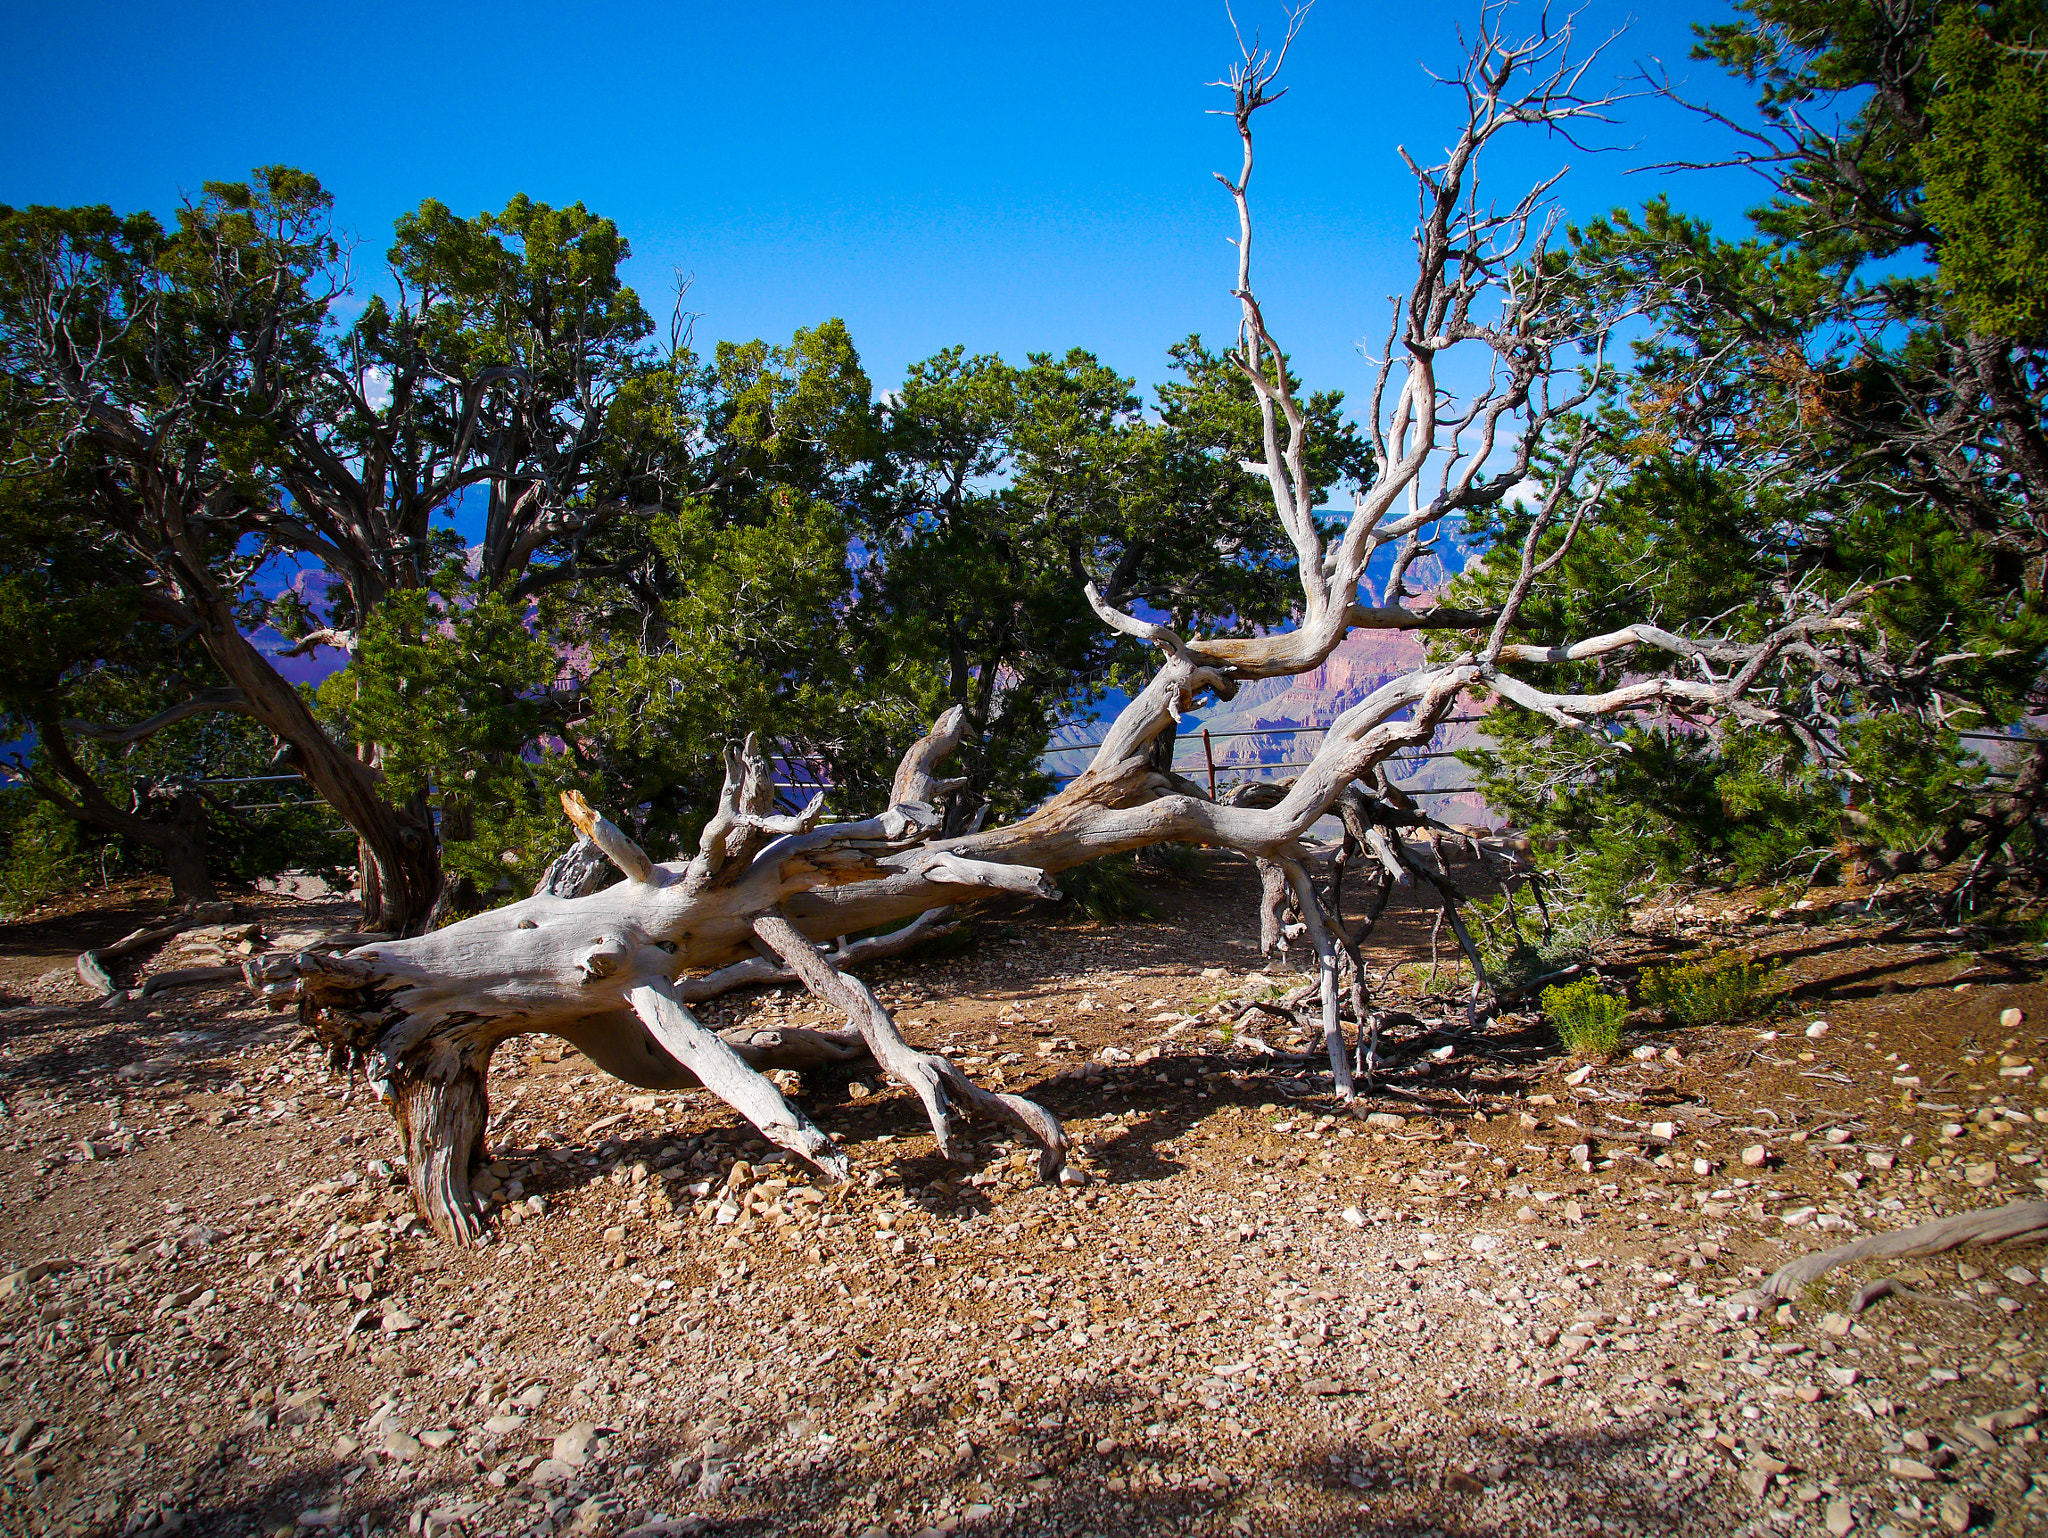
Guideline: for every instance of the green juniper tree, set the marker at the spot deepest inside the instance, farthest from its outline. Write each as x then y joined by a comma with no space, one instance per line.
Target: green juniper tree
1848,398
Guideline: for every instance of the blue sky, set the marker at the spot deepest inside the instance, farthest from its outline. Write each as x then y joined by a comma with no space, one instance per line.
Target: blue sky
1012,177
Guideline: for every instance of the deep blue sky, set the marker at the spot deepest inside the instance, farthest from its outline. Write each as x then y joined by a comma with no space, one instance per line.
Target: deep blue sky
1011,177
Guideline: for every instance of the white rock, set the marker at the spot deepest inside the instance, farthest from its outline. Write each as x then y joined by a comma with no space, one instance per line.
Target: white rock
573,1446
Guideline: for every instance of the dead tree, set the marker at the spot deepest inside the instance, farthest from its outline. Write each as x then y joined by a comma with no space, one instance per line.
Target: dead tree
614,972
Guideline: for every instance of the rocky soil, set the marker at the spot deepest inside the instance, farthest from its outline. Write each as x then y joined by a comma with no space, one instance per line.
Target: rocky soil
1502,1294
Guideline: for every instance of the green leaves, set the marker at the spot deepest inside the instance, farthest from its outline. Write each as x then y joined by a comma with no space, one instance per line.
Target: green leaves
449,687
1986,166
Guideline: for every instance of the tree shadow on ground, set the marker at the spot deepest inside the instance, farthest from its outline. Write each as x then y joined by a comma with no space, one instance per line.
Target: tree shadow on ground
1090,1464
45,1044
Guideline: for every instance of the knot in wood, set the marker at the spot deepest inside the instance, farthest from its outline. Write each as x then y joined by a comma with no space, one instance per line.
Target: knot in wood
606,955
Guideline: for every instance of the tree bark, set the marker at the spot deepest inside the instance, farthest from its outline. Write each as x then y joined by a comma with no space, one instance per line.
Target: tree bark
401,858
178,840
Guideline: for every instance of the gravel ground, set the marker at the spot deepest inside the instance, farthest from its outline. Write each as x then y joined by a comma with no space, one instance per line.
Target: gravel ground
1499,1296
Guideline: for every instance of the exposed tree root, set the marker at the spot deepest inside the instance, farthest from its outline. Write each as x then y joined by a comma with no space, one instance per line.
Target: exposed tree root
91,966
2014,1222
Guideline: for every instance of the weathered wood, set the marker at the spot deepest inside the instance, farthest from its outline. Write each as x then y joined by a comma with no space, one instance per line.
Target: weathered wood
577,871
91,965
181,977
2013,1222
761,971
927,1073
726,1074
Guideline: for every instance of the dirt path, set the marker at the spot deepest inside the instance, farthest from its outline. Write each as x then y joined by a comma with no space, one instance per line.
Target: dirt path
1514,1310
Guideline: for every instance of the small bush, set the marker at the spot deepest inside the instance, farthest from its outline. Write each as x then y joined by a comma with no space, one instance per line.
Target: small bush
1172,859
1718,991
42,855
1106,890
1586,1017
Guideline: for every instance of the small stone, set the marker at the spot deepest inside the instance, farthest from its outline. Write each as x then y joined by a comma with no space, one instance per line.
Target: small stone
438,1439
2002,1421
1525,1214
1756,1482
1840,1519
321,1516
1354,1217
1755,1155
2012,1019
573,1446
502,1425
1386,1121
1664,1131
1917,1441
1881,1161
1579,1075
2019,1274
1980,1175
397,1322
1070,1176
1908,1468
1955,1511
27,1276
399,1444
1837,1325
615,1236
1818,1029
1974,1436
552,1471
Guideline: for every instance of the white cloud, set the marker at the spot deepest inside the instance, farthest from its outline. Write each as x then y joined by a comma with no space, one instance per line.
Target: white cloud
376,385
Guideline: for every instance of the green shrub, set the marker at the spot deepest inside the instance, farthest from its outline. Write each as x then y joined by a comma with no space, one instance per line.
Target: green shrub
42,856
1106,890
1586,1017
1516,952
1717,991
1172,859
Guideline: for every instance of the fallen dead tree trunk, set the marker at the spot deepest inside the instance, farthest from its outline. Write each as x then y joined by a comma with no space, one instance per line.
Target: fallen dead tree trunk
613,969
